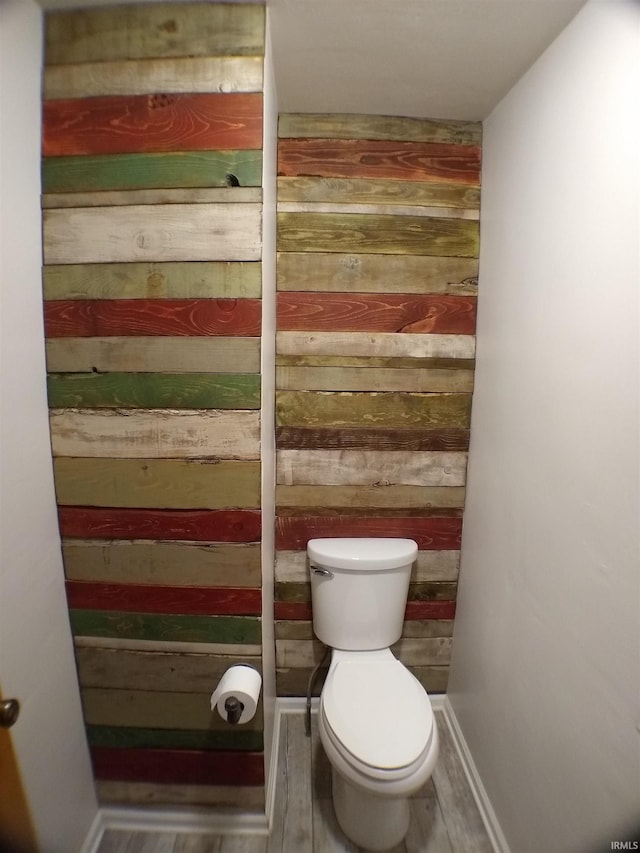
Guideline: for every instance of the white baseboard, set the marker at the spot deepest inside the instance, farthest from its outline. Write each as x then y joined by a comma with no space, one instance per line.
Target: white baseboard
94,836
139,819
489,818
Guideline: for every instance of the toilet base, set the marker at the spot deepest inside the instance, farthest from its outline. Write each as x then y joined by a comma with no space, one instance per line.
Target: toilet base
372,822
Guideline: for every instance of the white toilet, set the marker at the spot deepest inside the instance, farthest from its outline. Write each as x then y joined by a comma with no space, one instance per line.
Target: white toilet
375,718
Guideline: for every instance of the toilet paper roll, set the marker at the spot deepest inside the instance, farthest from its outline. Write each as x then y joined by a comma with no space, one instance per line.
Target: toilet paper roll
241,682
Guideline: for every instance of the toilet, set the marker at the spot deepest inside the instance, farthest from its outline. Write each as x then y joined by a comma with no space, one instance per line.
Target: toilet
375,719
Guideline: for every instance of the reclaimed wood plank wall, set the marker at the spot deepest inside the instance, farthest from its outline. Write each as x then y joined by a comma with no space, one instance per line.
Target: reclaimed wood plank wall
377,280
152,203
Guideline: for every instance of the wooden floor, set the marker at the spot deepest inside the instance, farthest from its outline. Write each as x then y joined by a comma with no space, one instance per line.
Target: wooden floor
444,816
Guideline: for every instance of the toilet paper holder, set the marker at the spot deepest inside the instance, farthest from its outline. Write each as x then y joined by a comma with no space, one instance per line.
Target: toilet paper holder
234,708
237,695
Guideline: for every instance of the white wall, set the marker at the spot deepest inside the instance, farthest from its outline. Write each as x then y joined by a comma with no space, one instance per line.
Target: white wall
36,656
546,657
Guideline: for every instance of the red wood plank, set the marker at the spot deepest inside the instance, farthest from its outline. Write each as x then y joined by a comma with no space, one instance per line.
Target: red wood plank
365,158
431,534
152,123
301,610
85,318
242,525
178,766
146,598
300,438
373,312
292,610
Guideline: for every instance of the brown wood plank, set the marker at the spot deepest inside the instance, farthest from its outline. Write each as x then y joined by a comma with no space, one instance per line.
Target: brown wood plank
245,799
191,767
367,438
155,123
367,191
418,591
427,628
416,652
241,525
386,159
125,198
430,533
356,126
147,598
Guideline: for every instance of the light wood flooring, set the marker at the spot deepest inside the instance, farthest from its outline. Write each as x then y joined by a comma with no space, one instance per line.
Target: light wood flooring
444,815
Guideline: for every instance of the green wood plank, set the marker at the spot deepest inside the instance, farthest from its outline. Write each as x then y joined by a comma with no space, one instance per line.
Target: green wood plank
166,627
146,171
154,390
351,126
345,378
378,192
236,737
157,483
378,234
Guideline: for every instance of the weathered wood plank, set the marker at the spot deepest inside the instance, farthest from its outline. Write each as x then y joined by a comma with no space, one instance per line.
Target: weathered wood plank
196,280
389,409
367,379
377,234
382,344
122,669
166,627
163,563
148,598
390,209
249,653
148,317
370,273
211,525
353,126
163,232
370,312
224,74
198,195
366,438
129,737
426,628
85,173
293,681
404,160
154,390
420,591
417,652
292,566
175,766
370,362
155,434
245,799
151,124
370,497
363,191
429,533
154,354
163,29
415,610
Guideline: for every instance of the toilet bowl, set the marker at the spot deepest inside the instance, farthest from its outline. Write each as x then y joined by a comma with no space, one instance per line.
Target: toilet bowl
375,719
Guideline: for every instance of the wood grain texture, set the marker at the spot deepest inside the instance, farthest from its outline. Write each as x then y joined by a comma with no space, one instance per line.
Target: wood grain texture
163,232
293,681
154,354
434,533
122,198
143,32
250,653
355,126
369,362
418,610
245,799
363,191
162,563
155,434
242,525
196,280
175,766
292,566
166,317
166,627
368,209
336,499
380,344
416,652
147,598
122,737
378,234
426,628
154,390
418,591
370,438
335,312
369,273
83,173
155,123
223,74
343,409
404,160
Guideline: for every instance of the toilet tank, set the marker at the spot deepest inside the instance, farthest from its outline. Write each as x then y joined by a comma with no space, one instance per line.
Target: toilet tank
359,590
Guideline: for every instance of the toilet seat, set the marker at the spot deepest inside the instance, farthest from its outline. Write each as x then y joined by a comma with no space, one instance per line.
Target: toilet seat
377,714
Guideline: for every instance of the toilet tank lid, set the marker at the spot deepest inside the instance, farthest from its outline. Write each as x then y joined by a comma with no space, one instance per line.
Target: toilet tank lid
362,554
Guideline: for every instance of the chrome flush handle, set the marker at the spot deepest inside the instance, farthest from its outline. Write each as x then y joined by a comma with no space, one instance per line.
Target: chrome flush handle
324,572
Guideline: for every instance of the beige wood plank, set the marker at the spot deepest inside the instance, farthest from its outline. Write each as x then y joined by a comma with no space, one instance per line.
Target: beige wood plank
367,467
203,280
370,497
236,798
292,566
155,433
149,76
151,30
247,653
182,195
368,379
162,563
158,354
375,344
377,209
351,126
366,273
163,232
157,483
414,651
370,191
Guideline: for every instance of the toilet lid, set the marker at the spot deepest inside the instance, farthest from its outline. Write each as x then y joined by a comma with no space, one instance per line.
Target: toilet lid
379,712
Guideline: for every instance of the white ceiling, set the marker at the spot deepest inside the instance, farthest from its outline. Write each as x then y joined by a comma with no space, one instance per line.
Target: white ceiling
430,58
